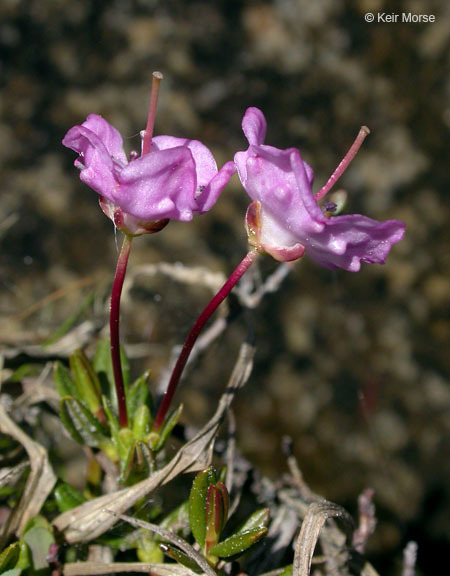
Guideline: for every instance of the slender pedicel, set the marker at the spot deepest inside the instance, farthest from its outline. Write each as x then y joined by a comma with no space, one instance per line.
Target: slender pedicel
114,318
344,163
114,328
147,140
235,276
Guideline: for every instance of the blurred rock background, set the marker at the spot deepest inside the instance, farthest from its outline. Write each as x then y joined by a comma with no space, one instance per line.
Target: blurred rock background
352,366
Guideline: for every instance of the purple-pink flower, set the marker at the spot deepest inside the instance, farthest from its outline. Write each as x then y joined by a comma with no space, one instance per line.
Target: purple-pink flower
176,180
285,218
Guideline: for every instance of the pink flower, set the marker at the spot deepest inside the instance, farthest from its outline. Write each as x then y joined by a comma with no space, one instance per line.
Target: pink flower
176,180
285,219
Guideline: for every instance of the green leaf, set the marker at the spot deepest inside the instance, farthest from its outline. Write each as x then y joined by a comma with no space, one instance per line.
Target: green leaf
149,551
86,380
238,543
24,371
13,572
67,497
102,365
259,519
141,423
138,395
122,442
287,571
214,517
225,498
111,416
82,425
197,506
9,557
38,538
139,465
181,558
64,382
167,427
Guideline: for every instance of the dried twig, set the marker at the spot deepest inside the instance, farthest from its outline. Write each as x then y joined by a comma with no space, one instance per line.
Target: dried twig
316,516
98,568
367,520
93,518
9,476
250,292
231,449
174,539
39,484
409,559
305,491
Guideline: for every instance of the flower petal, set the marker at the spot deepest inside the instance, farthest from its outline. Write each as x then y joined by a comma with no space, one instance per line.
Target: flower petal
209,195
205,164
349,240
272,177
344,241
254,126
95,163
159,185
110,137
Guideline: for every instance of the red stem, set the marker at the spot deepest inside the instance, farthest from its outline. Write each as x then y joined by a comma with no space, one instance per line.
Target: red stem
114,318
235,276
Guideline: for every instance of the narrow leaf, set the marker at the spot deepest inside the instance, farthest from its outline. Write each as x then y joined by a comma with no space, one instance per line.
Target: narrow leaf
102,365
197,507
167,428
9,557
138,395
141,423
67,497
64,382
82,425
86,380
180,557
139,465
214,516
225,498
238,543
259,519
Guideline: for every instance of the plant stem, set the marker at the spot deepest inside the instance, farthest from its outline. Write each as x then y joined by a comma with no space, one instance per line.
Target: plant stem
235,276
114,318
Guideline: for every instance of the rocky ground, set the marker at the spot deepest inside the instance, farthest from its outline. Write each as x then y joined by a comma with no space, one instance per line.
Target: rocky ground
351,366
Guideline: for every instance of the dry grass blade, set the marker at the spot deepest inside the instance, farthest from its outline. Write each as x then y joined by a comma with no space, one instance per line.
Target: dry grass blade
39,484
95,517
173,539
9,476
316,516
97,568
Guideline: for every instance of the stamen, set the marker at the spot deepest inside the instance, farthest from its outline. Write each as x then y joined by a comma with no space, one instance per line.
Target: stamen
344,163
147,140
